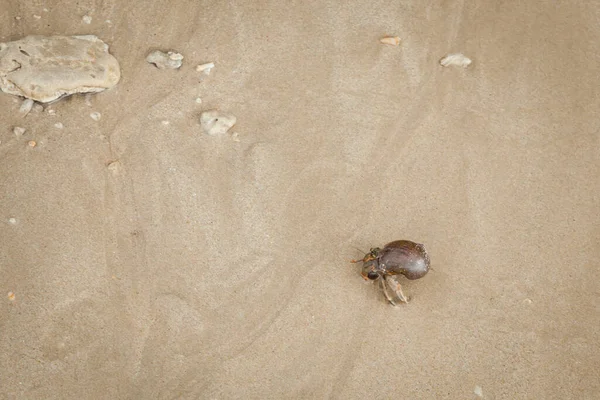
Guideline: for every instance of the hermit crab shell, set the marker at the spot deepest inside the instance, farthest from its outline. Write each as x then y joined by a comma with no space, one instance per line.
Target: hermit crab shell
404,257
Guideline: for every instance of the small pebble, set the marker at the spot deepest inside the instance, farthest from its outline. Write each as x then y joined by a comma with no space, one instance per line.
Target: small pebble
18,131
391,40
96,116
12,221
18,18
26,106
162,60
59,125
165,122
478,391
214,122
113,166
86,19
235,137
46,10
32,143
527,301
37,16
205,67
456,59
198,100
51,111
11,296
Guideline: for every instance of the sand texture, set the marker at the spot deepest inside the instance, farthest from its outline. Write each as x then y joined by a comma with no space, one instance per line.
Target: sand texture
141,258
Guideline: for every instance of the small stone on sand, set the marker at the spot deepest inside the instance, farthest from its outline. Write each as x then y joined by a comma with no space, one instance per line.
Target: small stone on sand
96,116
478,391
59,125
32,143
198,100
86,19
12,221
11,296
457,59
51,111
26,106
390,40
214,122
205,67
162,60
18,131
165,122
37,16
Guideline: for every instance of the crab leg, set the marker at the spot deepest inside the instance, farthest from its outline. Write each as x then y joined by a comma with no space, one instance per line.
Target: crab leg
398,296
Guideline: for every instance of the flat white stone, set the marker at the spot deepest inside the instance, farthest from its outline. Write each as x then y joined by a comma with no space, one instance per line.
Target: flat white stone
214,122
457,59
45,68
162,60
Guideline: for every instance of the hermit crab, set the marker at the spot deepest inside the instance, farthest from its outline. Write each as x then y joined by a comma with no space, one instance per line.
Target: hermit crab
401,257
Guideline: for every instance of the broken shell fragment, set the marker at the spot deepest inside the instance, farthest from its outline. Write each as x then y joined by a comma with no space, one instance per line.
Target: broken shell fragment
214,122
391,40
457,59
205,67
162,60
44,68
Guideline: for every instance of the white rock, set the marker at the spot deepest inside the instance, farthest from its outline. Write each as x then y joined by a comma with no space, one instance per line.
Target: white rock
44,68
13,221
59,125
214,122
478,391
96,116
37,16
458,59
205,67
18,131
26,106
162,60
198,100
86,19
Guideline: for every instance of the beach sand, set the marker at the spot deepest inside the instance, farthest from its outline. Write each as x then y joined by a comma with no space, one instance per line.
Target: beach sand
143,259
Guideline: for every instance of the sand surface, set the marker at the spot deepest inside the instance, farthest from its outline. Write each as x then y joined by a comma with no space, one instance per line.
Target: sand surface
151,261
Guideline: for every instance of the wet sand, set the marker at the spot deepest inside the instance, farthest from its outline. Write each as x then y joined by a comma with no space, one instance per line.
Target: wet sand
151,261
